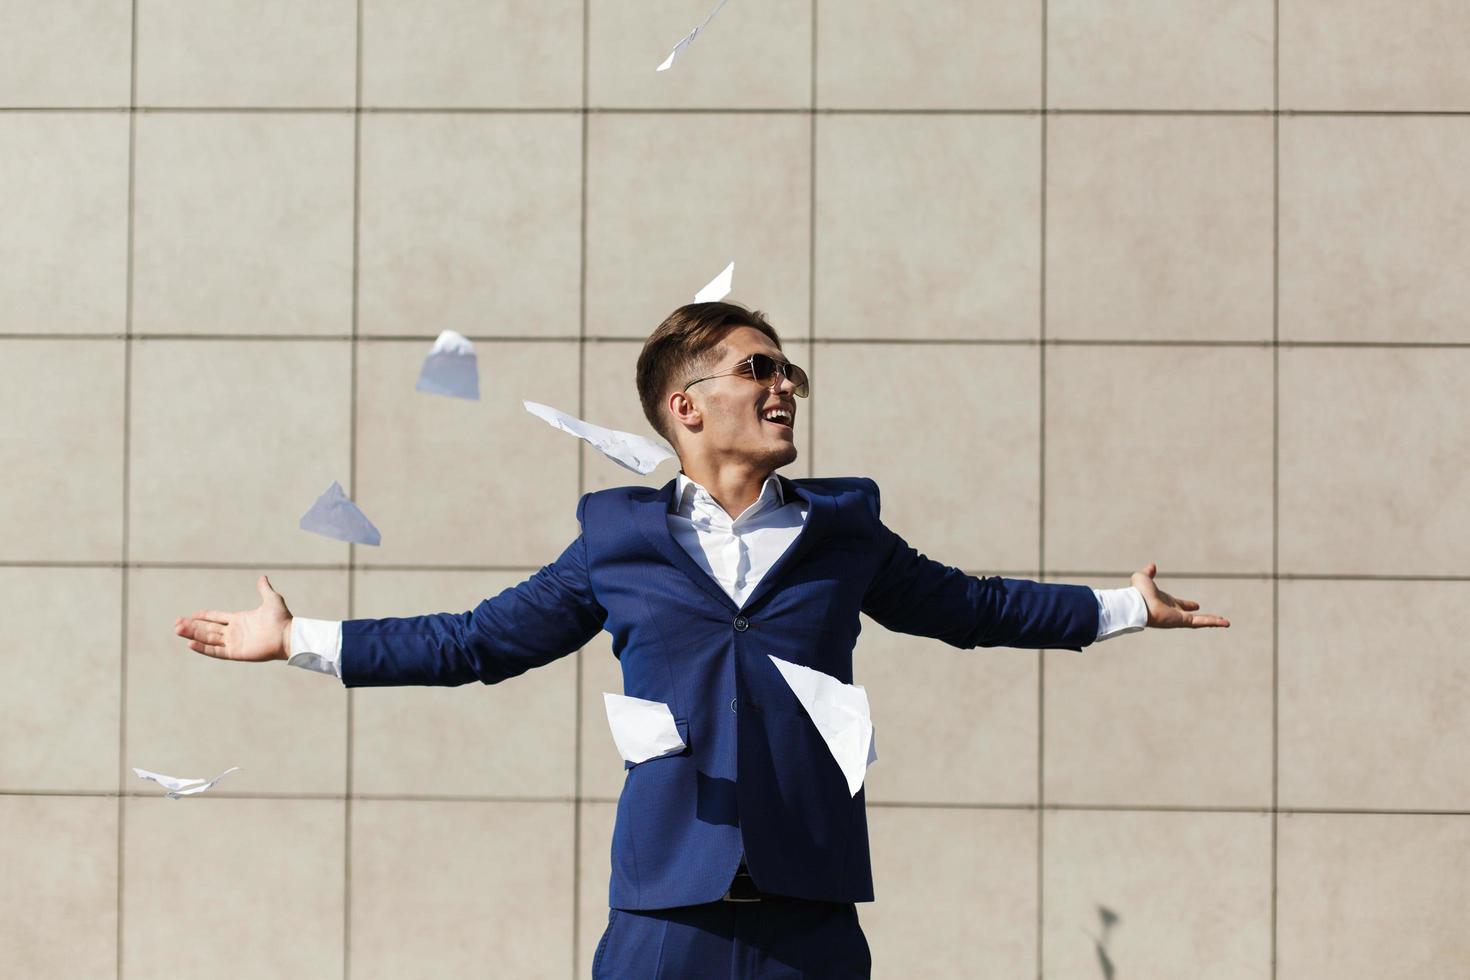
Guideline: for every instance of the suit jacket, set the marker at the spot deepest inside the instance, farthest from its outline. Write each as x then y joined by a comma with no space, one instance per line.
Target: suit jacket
755,776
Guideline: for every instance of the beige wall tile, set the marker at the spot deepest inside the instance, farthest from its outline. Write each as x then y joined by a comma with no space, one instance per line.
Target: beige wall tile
192,715
517,53
952,726
1159,454
1373,212
244,53
61,450
611,399
594,866
1375,695
952,54
1374,54
1365,896
59,693
956,891
243,224
216,887
63,257
870,421
1179,718
755,56
58,896
470,223
1159,227
662,223
1161,54
66,53
928,226
1191,892
1373,444
508,739
458,482
232,441
461,889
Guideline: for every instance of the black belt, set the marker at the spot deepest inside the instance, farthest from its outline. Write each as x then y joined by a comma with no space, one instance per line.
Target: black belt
742,887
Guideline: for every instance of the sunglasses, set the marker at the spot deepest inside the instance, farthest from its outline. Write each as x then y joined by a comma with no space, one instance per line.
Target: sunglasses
763,369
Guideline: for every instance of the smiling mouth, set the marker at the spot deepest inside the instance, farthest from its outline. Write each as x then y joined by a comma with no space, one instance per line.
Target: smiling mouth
784,417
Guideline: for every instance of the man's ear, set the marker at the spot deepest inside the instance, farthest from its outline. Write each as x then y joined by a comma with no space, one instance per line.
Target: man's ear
684,411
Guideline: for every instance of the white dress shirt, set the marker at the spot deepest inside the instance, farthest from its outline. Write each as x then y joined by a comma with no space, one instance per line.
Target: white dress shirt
735,552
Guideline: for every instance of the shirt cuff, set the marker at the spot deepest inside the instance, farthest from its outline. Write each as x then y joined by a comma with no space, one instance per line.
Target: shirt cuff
1120,611
316,644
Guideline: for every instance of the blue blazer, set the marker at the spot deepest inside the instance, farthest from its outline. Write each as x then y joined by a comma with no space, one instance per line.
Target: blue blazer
756,777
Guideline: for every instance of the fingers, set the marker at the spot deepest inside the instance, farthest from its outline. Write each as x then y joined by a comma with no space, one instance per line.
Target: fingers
1202,620
213,616
208,649
205,632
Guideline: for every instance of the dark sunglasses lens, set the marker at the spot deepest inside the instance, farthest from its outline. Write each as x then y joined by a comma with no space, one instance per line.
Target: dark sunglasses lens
799,380
764,369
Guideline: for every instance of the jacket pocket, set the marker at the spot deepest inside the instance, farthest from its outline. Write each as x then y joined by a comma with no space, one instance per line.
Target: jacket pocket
682,726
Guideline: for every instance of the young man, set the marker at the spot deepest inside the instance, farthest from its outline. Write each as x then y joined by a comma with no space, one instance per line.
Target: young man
741,855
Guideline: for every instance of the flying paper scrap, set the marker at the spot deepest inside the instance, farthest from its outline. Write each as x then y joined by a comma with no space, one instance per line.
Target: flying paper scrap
178,786
450,369
689,38
718,288
642,729
334,516
634,452
840,712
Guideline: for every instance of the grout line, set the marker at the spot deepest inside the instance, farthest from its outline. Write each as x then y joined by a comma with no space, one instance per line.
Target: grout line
1041,514
811,252
980,806
724,111
581,489
127,449
1275,476
834,341
348,760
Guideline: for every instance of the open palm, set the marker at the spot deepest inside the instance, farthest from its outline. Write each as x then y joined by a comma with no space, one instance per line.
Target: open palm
255,634
1165,611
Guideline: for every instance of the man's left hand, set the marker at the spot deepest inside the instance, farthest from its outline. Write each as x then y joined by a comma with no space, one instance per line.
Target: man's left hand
1167,612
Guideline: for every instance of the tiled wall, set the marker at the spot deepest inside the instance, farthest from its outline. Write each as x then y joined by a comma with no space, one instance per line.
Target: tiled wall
1083,285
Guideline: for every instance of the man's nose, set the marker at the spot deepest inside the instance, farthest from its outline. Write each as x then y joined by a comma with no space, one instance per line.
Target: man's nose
783,385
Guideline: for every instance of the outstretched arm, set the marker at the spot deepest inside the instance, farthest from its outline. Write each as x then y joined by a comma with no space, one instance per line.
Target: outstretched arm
547,616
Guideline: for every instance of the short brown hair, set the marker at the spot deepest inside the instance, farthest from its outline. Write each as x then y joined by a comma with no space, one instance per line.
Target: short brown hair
687,342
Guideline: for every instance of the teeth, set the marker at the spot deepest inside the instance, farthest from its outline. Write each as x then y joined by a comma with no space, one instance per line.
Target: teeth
778,413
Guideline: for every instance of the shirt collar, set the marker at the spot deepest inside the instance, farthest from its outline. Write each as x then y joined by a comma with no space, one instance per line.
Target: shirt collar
690,497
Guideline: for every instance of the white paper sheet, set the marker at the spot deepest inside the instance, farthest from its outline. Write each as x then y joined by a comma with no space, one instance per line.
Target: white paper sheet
450,369
689,38
840,712
718,287
642,729
630,451
178,786
334,516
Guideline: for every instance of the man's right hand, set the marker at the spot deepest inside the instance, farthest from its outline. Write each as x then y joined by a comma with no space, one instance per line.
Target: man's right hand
263,633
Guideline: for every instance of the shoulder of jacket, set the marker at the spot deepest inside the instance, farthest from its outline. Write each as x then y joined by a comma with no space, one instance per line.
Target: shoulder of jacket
845,489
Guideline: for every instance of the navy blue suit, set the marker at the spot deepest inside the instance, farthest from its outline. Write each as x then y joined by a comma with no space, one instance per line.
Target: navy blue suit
756,777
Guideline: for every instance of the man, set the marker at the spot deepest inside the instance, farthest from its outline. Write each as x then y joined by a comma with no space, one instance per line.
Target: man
743,853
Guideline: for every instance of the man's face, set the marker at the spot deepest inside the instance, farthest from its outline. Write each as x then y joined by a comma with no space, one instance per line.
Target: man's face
739,416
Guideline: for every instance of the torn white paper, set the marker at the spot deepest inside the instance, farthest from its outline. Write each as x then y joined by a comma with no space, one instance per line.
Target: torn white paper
178,786
450,369
689,38
718,287
642,729
334,516
840,712
631,451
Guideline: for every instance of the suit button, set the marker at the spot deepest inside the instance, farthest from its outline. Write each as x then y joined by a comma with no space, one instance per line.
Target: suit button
732,704
741,624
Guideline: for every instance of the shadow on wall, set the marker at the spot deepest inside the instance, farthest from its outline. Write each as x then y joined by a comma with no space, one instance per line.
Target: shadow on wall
1109,919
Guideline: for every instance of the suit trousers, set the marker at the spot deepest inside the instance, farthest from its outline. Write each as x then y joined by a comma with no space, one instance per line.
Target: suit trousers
776,938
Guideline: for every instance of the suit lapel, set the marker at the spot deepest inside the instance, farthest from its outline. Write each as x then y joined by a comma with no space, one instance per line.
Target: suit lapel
820,509
651,515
